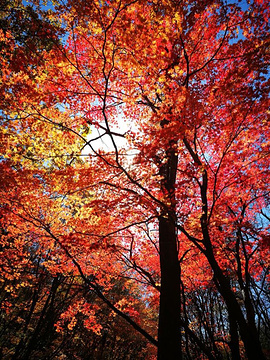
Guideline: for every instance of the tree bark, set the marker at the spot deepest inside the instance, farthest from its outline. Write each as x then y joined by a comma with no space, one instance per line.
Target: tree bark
169,330
169,335
234,340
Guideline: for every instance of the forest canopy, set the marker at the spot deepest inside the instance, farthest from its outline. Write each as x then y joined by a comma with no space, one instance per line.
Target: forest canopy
134,196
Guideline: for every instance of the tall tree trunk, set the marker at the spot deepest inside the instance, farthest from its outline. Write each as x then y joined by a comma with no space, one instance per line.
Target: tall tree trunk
169,332
248,333
169,335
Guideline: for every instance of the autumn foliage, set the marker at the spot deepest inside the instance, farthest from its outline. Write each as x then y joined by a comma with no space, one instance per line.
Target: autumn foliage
134,199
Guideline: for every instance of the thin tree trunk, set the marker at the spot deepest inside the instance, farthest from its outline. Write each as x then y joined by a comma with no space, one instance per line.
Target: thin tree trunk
234,341
251,343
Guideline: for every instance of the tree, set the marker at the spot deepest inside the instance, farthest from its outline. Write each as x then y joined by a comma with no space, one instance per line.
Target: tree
182,206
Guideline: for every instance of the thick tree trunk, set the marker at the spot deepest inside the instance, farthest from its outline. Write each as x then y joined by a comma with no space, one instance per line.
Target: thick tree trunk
169,335
169,332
